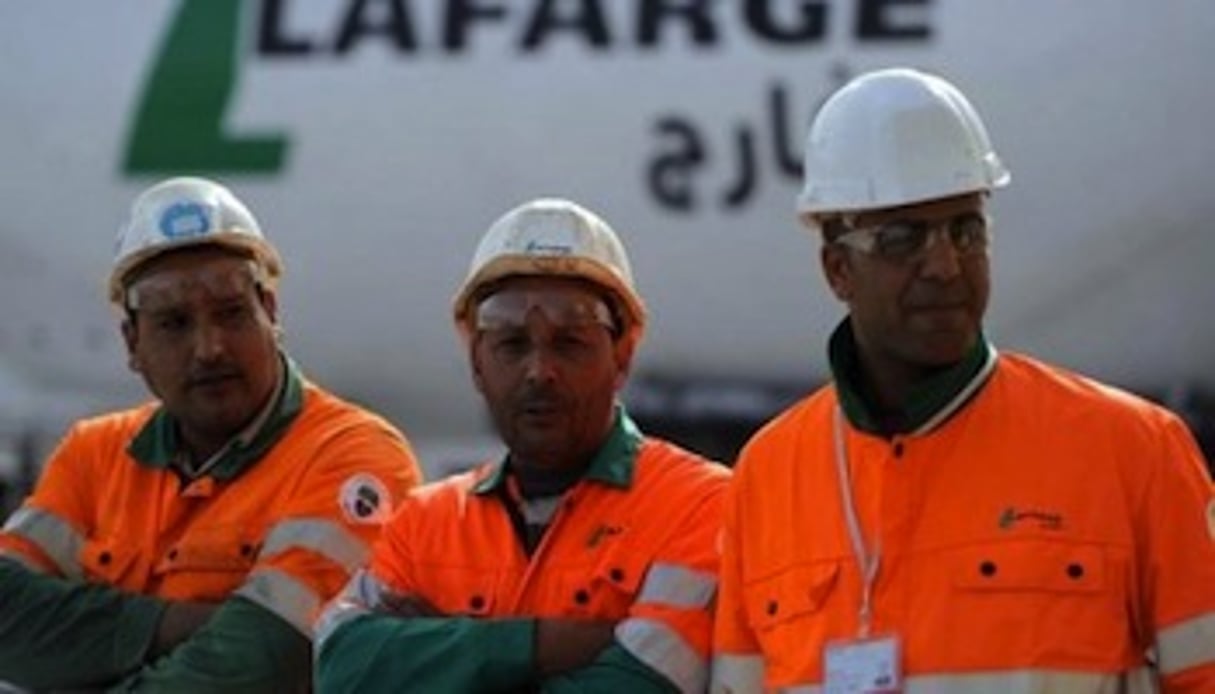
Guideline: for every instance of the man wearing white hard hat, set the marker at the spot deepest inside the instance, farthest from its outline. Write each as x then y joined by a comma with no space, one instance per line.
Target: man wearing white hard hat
586,559
187,544
943,517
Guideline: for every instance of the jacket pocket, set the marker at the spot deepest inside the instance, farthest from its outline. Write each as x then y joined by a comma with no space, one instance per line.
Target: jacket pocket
789,595
207,563
1037,599
792,613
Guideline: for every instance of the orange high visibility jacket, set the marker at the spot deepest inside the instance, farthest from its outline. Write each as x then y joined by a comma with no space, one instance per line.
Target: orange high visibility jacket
284,532
635,540
1044,537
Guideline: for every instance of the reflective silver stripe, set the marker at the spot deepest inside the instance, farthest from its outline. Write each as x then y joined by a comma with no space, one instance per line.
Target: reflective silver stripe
1186,644
1142,681
737,674
52,534
1014,682
356,599
283,595
21,559
663,649
324,537
678,586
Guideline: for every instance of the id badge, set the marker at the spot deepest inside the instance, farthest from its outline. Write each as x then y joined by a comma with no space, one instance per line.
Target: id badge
863,666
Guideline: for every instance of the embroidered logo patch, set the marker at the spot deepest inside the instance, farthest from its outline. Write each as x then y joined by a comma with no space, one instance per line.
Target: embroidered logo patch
364,499
1013,517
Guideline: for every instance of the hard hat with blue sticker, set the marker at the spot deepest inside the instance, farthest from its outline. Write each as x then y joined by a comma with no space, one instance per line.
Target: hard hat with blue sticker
187,211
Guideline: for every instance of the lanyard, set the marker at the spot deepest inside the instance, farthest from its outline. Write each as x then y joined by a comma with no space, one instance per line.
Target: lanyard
867,563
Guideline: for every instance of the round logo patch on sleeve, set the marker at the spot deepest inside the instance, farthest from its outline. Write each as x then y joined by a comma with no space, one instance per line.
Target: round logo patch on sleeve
364,499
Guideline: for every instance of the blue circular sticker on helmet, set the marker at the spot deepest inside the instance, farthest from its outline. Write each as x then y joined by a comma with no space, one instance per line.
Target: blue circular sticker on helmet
184,219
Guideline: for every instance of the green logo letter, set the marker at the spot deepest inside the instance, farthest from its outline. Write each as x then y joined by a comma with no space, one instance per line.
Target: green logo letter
179,122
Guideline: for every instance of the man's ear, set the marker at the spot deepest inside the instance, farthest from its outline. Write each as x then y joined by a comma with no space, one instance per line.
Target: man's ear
622,353
130,338
269,302
474,362
837,270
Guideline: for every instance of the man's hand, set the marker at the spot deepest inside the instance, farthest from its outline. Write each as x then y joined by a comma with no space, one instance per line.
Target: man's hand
178,623
568,644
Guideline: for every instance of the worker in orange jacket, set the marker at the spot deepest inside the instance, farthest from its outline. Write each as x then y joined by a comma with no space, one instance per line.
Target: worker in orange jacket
188,544
586,559
943,517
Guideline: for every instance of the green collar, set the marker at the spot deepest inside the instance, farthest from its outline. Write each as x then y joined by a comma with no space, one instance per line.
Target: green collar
930,403
612,465
157,444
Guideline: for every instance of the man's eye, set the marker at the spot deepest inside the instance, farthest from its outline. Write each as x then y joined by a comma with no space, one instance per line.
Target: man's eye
235,314
968,231
510,344
171,323
570,342
900,238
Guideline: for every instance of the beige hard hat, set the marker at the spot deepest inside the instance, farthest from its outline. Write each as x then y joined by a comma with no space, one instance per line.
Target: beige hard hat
183,212
895,137
552,237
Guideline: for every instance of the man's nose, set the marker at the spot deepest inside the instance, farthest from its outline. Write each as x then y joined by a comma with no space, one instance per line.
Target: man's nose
540,365
940,258
210,342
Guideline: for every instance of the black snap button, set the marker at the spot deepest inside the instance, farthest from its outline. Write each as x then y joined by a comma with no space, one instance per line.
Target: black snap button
617,575
1075,570
172,554
477,602
988,568
898,449
772,607
582,597
246,550
104,558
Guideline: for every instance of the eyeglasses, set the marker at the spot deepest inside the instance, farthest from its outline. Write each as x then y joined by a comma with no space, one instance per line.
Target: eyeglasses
906,240
509,309
158,290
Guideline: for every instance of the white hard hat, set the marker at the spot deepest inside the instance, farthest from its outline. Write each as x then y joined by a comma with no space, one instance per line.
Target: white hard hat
181,212
895,137
552,237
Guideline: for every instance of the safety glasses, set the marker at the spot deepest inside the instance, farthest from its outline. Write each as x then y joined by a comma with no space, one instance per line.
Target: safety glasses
908,240
510,308
161,290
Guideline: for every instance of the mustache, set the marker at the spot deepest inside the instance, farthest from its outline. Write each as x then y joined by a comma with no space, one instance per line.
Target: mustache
211,374
937,297
539,398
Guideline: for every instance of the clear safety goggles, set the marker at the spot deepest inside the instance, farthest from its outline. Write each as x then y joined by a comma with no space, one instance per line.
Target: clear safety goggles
510,308
907,240
164,290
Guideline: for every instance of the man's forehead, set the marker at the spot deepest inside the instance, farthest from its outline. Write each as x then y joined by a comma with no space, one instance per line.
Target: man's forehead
169,286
